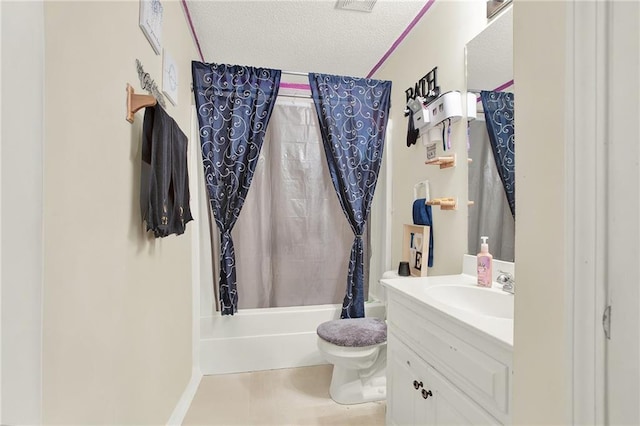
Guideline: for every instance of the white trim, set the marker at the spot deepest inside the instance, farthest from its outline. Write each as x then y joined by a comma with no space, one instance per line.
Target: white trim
196,277
181,408
1,382
586,207
388,208
41,23
180,411
623,211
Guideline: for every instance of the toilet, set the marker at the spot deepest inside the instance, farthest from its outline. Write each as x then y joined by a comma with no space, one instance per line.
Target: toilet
357,348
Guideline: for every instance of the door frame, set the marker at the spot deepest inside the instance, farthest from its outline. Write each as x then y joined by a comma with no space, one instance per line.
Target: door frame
623,202
586,206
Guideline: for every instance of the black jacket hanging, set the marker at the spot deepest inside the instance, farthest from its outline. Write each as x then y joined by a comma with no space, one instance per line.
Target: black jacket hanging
164,178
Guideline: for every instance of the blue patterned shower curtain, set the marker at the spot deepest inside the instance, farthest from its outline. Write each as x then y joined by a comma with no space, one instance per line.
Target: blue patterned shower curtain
353,114
498,114
234,104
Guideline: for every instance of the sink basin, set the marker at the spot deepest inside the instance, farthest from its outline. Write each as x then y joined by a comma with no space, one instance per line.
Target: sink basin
482,301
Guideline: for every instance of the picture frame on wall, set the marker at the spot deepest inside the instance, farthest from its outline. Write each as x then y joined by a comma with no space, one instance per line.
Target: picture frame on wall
151,23
169,78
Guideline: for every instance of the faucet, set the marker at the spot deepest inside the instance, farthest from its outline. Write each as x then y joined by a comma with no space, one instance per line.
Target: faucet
507,281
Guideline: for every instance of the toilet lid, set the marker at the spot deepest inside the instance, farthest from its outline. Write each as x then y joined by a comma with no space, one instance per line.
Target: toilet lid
354,332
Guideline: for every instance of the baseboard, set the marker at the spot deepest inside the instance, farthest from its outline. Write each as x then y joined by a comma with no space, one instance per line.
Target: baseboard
180,411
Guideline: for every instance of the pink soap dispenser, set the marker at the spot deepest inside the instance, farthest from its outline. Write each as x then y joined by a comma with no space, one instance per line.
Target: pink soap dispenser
485,260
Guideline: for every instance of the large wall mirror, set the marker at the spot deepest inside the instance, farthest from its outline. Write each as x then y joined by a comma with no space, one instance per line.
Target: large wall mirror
491,182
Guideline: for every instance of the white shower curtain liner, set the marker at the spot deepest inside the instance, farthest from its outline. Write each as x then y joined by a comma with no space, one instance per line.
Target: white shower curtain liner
490,215
292,240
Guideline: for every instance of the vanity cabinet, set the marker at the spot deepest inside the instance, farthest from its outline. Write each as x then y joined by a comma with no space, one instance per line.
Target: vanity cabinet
419,395
441,373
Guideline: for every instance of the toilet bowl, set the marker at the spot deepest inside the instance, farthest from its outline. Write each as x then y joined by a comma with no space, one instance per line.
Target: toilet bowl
357,348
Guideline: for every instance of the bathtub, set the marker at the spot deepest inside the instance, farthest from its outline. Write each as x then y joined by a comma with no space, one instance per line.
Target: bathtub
267,339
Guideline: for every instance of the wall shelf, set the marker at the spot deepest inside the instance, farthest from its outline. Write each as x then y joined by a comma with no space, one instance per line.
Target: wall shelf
443,162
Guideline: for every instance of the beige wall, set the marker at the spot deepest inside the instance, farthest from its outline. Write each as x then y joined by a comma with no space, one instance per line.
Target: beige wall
541,338
117,302
438,40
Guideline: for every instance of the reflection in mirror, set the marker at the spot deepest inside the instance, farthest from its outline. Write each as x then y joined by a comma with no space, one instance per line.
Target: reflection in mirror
495,6
490,70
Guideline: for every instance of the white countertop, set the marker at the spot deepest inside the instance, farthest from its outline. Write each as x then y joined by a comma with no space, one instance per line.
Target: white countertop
500,329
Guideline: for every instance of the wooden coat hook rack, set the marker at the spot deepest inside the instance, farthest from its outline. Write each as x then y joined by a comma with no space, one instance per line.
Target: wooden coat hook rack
137,102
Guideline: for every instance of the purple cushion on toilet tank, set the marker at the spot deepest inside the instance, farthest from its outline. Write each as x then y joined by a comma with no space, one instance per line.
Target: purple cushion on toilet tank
354,332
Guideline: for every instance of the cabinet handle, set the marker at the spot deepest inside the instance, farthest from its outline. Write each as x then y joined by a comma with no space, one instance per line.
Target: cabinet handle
426,393
417,385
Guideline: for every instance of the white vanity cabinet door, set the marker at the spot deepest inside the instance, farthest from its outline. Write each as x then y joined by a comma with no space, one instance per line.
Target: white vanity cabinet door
452,407
406,375
418,395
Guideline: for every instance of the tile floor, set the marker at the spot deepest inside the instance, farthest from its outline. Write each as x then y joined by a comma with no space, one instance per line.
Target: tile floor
296,396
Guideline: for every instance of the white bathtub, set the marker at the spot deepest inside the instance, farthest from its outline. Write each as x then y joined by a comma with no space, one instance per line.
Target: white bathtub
266,339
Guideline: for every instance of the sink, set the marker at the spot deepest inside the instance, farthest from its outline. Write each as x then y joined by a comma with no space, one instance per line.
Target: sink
482,301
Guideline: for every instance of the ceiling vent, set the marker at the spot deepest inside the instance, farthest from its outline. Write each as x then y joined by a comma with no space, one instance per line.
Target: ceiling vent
359,5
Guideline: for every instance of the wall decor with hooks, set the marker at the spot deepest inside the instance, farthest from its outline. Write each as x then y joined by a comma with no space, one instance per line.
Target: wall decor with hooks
425,90
148,84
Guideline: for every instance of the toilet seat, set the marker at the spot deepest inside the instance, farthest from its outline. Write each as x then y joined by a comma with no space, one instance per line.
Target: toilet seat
354,332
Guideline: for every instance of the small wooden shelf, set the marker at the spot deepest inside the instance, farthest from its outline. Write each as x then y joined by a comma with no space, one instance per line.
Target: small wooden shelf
446,203
443,162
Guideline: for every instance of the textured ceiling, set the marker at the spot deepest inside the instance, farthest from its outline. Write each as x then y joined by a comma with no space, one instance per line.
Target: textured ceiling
300,35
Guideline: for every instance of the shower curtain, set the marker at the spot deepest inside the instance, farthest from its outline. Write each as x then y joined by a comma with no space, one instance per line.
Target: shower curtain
353,114
292,240
490,215
234,105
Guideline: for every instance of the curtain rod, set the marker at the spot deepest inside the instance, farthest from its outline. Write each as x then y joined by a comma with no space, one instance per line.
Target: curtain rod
280,95
304,74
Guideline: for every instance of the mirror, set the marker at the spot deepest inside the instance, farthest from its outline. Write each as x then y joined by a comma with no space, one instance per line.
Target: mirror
489,59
